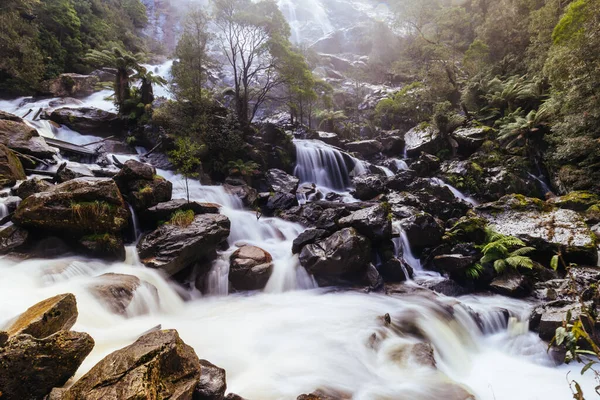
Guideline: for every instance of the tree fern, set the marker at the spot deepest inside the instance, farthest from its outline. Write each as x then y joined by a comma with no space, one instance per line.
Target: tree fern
505,252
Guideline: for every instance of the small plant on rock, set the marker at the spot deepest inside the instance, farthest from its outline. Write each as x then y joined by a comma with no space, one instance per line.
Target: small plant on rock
505,252
182,218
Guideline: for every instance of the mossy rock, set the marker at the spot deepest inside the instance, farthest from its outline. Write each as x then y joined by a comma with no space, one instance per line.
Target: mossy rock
105,246
577,201
470,228
11,169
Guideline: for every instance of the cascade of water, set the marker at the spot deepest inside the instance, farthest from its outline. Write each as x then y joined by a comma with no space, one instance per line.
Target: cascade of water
136,223
543,185
457,193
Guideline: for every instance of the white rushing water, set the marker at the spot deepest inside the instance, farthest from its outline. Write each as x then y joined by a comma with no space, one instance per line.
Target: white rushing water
457,193
295,338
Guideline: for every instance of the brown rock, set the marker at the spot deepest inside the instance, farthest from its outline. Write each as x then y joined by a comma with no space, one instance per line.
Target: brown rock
250,268
47,317
117,290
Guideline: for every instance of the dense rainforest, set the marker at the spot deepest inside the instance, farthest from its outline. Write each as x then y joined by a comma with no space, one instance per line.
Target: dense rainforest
352,199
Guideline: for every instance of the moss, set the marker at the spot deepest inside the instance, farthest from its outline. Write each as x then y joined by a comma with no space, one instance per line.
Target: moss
578,201
593,213
158,178
470,228
102,239
146,190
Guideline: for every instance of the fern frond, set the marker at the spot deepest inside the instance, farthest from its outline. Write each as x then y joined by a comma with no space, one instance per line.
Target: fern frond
520,262
522,251
500,266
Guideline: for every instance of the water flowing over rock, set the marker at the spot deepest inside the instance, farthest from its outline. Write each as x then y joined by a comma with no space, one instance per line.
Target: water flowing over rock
70,85
78,207
116,291
89,120
173,248
18,136
423,231
141,187
46,317
31,367
343,255
250,268
157,365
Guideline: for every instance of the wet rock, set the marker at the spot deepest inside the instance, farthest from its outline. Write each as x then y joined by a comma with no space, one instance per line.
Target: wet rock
46,317
511,284
12,238
423,139
330,138
344,254
454,264
116,291
325,394
115,147
30,367
18,136
70,85
307,237
31,187
448,287
395,270
164,211
104,246
212,384
426,165
105,74
88,120
173,248
576,201
241,190
367,187
280,201
71,171
415,353
309,192
470,139
392,143
401,181
547,229
250,268
365,148
159,365
423,231
141,187
11,169
281,182
63,101
79,207
373,222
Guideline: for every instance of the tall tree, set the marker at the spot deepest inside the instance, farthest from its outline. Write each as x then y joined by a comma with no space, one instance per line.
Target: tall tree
252,37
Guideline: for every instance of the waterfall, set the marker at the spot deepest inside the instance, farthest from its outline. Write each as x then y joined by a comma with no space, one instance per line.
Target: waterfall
325,165
457,193
136,224
402,249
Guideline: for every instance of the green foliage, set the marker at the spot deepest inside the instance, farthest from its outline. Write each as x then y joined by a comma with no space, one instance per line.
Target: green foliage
243,168
186,158
41,39
407,107
504,252
445,118
182,218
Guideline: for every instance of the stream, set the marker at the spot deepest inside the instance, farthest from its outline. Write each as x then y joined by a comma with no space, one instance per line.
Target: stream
294,337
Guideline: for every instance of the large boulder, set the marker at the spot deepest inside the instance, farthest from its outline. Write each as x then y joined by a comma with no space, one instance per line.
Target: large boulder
241,190
511,284
366,148
70,85
282,182
173,248
164,211
105,246
30,367
89,121
544,227
12,238
116,291
18,136
422,231
250,268
344,255
11,169
367,187
46,317
470,139
307,237
31,187
373,222
423,139
79,207
141,187
212,384
159,365
329,137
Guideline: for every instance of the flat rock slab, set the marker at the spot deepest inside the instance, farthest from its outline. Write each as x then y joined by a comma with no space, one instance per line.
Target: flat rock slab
47,317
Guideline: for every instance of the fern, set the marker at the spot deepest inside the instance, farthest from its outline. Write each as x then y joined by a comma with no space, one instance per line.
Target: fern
505,252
